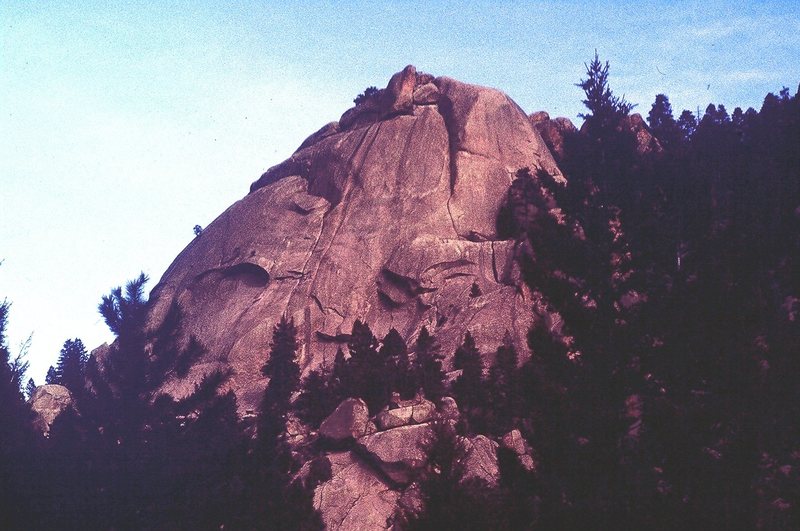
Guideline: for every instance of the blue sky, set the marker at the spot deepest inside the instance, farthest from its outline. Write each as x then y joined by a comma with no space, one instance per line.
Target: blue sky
122,125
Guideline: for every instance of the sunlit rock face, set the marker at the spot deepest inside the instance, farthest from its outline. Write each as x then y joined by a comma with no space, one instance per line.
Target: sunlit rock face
47,403
387,216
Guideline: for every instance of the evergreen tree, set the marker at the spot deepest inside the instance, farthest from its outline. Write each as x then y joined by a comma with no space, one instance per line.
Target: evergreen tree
397,368
52,376
687,123
468,389
30,388
662,123
428,363
71,366
605,109
366,368
504,386
281,367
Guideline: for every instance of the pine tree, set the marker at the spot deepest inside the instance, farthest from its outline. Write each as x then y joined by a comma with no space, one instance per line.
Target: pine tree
468,389
428,363
71,365
661,121
30,388
605,109
504,386
281,367
366,368
52,376
397,364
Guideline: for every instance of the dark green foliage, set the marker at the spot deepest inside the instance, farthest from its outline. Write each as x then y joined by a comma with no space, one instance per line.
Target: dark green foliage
370,93
468,389
16,437
450,502
30,387
662,123
281,367
398,368
504,388
52,376
71,366
604,107
428,365
366,376
318,398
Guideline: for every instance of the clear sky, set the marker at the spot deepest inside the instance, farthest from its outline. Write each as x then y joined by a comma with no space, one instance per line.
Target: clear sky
122,125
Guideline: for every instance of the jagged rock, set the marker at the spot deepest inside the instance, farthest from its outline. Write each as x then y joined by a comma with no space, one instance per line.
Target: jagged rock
539,117
354,498
646,143
554,132
515,442
480,460
313,239
48,402
427,94
399,453
399,92
349,421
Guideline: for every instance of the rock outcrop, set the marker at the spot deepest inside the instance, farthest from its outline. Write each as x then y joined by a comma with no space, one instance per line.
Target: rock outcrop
386,216
47,403
350,420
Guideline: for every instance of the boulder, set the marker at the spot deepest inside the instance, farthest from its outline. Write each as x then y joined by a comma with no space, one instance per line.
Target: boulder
423,411
354,498
394,418
350,420
399,453
418,413
399,92
47,403
480,461
427,94
515,442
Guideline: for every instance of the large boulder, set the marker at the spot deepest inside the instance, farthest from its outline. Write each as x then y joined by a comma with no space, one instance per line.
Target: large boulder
515,442
47,403
350,420
399,453
354,498
391,221
480,460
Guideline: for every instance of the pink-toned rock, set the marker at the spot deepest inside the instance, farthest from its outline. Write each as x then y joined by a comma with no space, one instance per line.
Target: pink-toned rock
47,403
480,460
349,421
427,94
390,222
354,498
399,452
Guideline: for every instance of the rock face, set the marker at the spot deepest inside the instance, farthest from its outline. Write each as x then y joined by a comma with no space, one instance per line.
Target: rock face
48,402
354,498
386,216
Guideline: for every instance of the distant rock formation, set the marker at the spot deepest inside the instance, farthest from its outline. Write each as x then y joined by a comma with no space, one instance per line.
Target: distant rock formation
388,216
47,403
